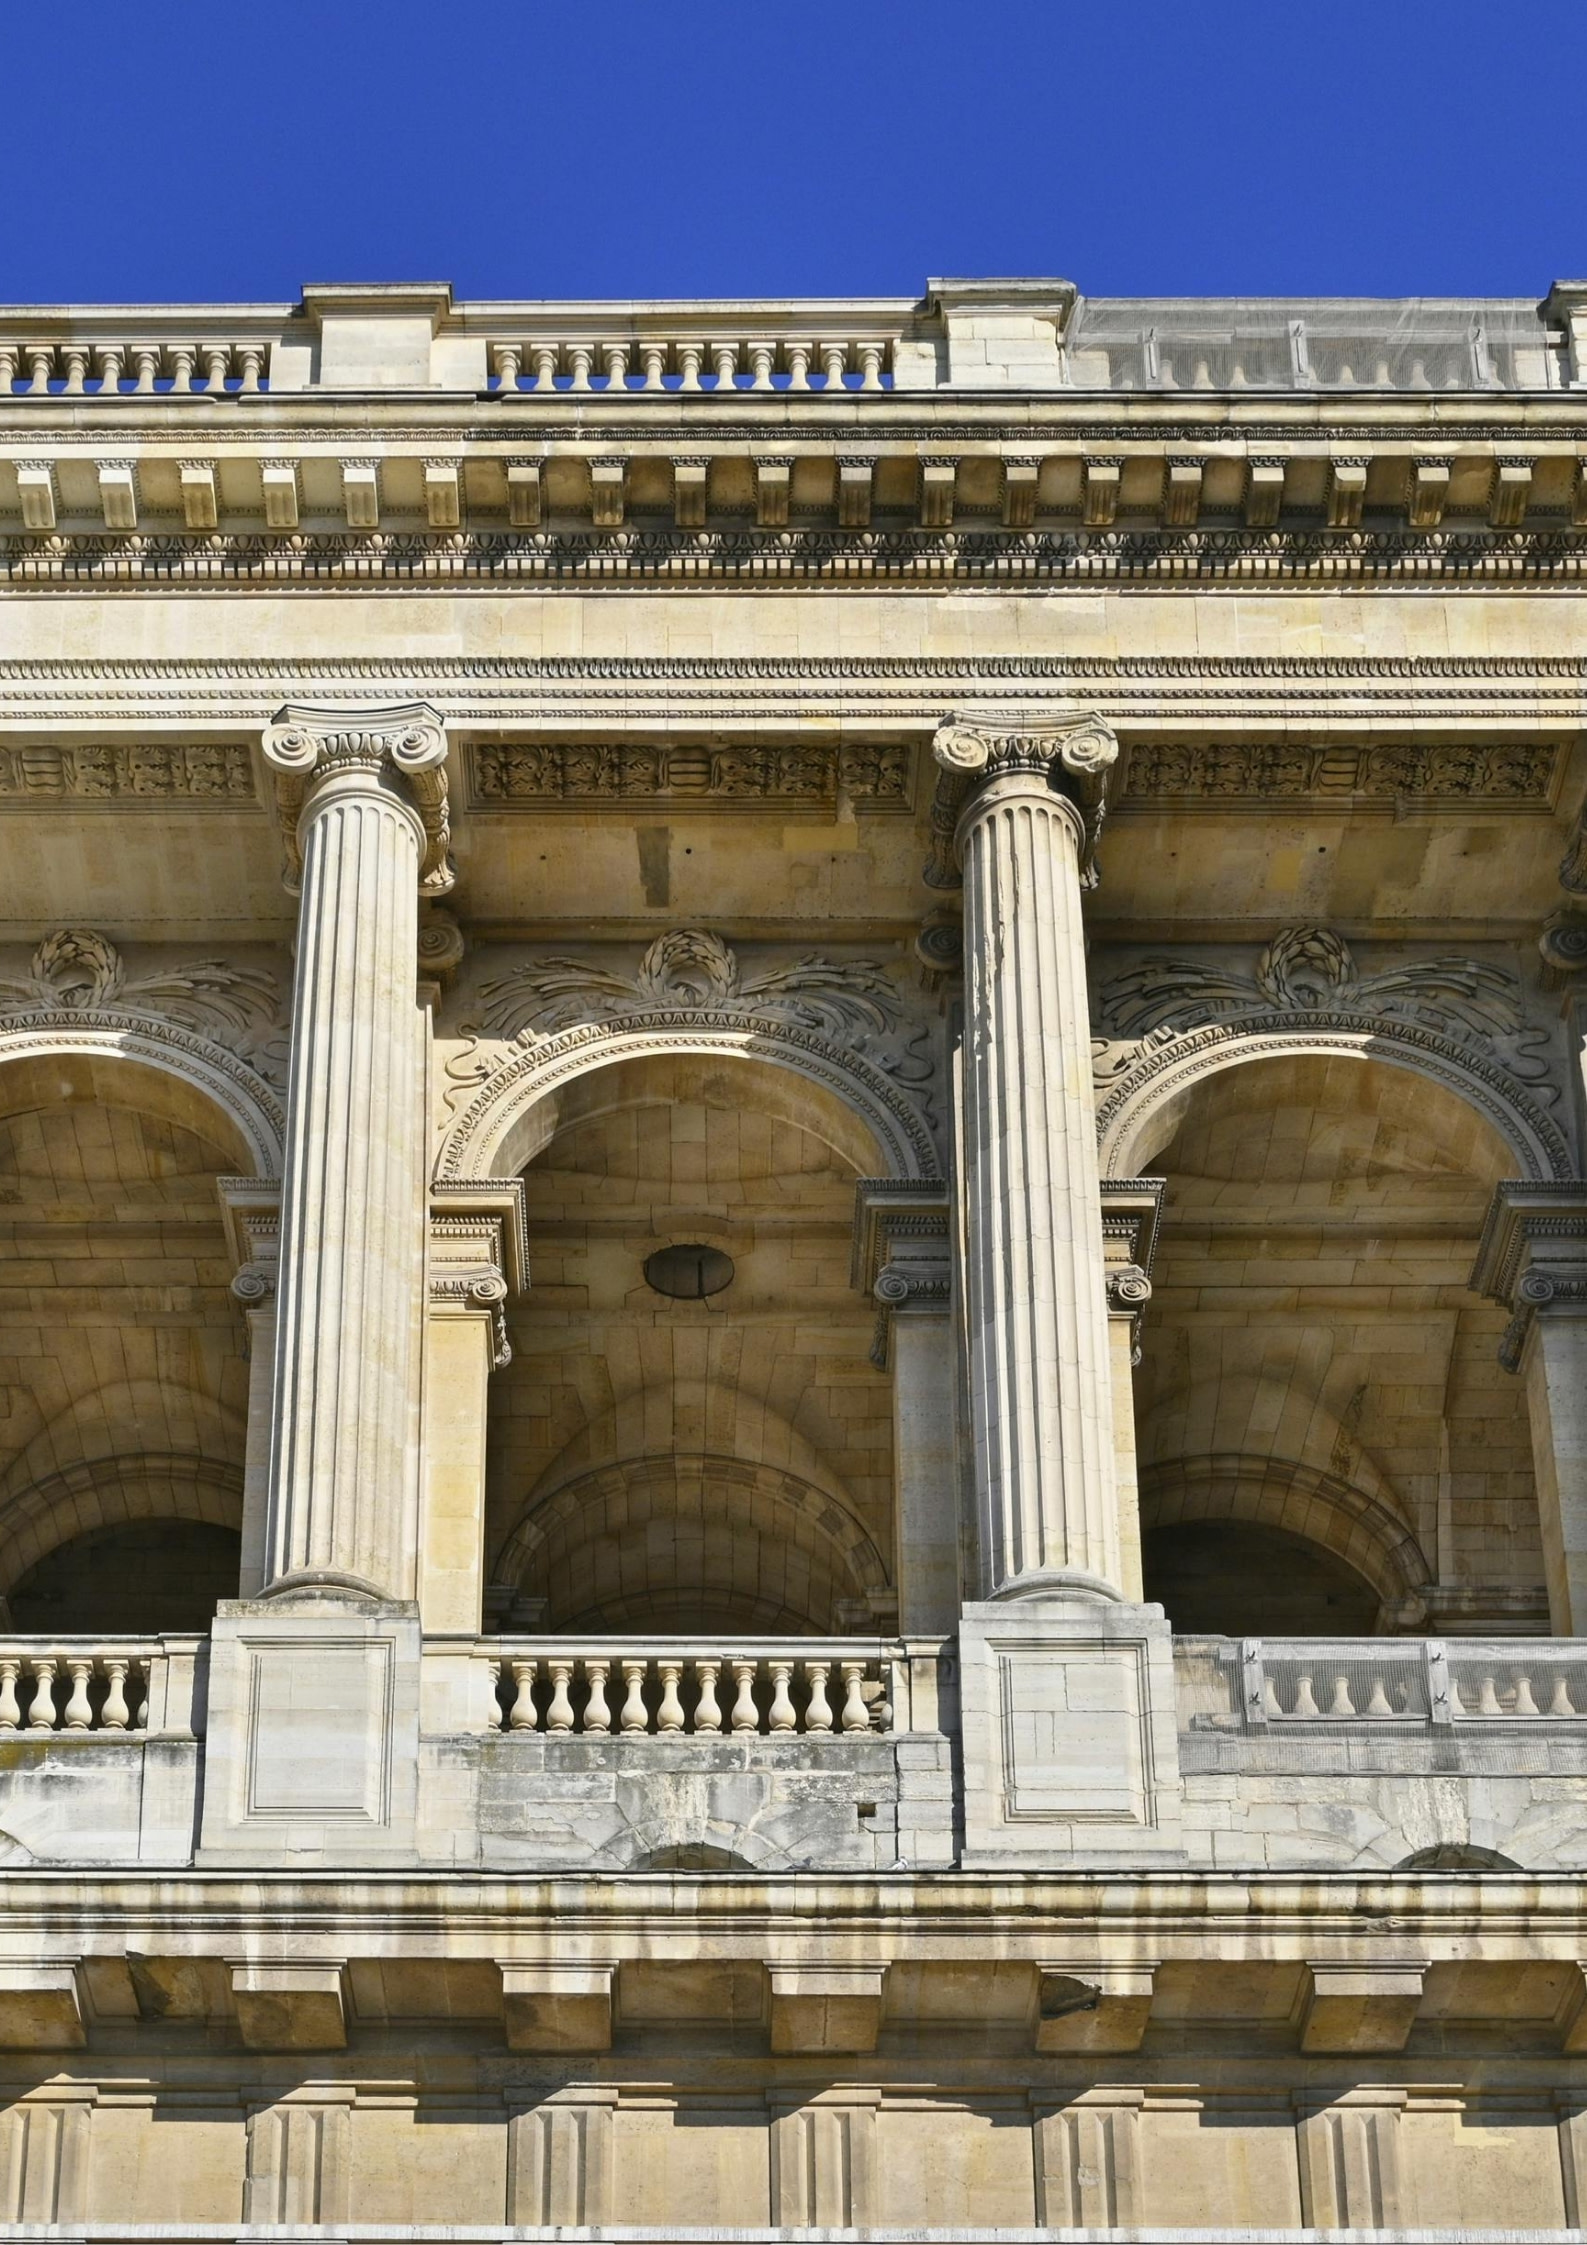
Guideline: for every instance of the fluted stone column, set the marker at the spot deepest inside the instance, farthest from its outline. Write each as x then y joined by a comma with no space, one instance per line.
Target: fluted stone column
362,795
1068,1733
1040,1383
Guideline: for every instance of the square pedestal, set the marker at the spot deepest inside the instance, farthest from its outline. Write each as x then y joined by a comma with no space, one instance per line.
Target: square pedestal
312,1743
1071,1751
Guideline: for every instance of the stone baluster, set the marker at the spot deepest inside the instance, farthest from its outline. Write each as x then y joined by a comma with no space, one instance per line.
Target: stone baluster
41,1711
559,1714
78,1714
362,796
10,1711
1039,1392
746,1715
818,1708
597,1713
635,1716
669,1712
114,1716
856,1715
707,1708
522,1716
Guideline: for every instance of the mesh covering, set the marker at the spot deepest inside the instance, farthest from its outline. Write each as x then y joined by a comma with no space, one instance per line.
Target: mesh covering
1302,343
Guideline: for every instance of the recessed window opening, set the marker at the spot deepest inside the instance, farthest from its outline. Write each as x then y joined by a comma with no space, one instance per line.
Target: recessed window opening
689,1273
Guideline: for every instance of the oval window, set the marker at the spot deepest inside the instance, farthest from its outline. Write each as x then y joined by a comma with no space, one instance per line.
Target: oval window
689,1274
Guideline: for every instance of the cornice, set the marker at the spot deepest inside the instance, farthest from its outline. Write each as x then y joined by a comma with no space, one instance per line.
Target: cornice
482,688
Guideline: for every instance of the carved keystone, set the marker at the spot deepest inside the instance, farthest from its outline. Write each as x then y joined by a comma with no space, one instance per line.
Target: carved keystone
1356,2008
40,2008
552,2007
290,2006
824,2012
1093,2007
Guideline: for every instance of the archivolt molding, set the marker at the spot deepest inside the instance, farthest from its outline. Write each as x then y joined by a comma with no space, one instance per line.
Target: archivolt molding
110,1492
1461,1021
835,1022
216,1027
1170,1062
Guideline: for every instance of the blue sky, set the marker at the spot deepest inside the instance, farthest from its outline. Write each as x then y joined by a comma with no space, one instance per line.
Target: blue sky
202,149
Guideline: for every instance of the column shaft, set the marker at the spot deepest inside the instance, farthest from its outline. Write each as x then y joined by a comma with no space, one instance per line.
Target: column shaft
1040,1393
344,1476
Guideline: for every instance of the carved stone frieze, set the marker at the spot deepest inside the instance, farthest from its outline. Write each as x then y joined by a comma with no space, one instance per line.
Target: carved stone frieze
1228,773
899,557
76,972
814,772
125,772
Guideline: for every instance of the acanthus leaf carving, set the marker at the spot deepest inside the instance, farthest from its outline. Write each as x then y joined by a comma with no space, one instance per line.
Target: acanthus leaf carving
1310,971
78,971
843,1022
690,969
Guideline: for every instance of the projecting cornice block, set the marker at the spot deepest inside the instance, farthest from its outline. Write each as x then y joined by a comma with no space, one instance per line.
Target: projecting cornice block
290,2006
824,2012
1359,2008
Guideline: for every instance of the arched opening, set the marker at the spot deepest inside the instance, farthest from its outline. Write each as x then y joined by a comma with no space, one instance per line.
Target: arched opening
671,1460
1323,1428
137,1580
1231,1578
125,1396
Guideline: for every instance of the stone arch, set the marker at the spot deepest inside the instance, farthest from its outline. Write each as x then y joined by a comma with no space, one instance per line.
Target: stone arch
109,1492
501,1127
1141,1109
1281,1493
151,1067
690,1540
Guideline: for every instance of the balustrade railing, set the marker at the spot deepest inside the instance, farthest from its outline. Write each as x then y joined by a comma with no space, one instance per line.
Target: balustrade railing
1389,1683
674,363
88,1684
72,369
692,1687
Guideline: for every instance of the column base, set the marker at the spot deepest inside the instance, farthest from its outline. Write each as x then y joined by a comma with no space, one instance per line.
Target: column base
1071,1750
312,1738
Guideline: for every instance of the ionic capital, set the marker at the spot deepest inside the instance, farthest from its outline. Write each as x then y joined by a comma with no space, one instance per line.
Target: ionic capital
1532,1257
1070,756
399,749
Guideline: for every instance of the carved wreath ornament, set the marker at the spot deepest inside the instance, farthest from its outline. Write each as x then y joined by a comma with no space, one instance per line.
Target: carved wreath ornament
843,1020
75,971
1311,970
691,971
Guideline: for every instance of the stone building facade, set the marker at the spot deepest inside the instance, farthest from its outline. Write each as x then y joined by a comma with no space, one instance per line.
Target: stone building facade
793,1306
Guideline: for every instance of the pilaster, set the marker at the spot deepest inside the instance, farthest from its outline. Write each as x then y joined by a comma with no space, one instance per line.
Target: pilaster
903,1260
1533,1258
478,1261
1130,1212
